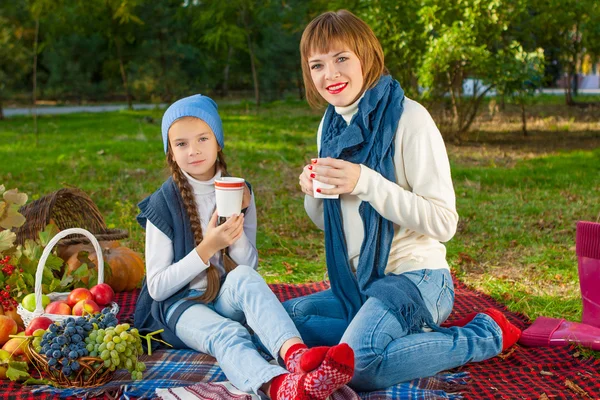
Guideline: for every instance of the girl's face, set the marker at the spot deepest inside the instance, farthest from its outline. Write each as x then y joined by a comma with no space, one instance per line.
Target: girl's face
337,75
194,147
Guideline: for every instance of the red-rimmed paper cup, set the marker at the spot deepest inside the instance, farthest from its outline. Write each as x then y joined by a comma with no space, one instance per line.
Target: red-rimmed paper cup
229,192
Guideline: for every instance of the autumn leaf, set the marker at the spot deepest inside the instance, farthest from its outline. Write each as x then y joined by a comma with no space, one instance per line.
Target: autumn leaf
13,196
12,219
7,240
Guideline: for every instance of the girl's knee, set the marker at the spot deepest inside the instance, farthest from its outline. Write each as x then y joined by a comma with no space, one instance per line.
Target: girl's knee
242,273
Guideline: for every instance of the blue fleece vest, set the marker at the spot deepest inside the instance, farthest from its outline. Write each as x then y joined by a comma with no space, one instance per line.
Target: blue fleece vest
166,210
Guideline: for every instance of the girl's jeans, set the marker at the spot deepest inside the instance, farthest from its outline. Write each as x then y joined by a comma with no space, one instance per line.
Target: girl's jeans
217,328
385,354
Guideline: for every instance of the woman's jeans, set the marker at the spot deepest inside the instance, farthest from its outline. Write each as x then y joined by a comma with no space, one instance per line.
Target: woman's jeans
385,354
217,328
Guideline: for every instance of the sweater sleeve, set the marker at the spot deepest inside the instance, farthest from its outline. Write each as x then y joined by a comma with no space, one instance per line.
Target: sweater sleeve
427,206
164,278
243,251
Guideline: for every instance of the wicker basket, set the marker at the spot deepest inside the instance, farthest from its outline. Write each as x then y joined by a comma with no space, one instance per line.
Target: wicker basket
97,375
26,315
67,208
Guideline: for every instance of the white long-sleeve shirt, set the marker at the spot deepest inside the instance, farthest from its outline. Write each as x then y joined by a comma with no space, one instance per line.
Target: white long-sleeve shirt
420,203
164,277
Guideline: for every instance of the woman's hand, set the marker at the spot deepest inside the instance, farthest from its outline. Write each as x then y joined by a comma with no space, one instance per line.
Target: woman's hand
219,237
343,174
306,181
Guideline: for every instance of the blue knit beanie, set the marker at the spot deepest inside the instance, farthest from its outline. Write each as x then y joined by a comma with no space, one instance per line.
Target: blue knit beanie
198,106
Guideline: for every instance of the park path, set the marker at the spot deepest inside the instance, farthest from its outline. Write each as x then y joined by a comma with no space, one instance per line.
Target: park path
43,110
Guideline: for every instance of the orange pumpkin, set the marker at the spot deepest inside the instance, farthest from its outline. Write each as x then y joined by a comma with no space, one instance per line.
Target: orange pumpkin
65,252
126,266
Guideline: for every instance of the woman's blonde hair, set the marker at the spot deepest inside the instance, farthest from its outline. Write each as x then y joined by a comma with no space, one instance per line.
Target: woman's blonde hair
341,28
187,194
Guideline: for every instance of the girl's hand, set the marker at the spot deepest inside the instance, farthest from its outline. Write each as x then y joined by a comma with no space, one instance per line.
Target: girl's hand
343,174
247,197
219,237
305,181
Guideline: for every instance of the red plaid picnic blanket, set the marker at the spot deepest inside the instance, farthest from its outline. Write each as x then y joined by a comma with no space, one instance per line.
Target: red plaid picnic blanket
521,373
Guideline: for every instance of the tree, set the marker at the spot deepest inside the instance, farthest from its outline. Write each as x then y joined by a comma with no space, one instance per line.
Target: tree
472,40
14,57
118,22
571,27
520,77
400,32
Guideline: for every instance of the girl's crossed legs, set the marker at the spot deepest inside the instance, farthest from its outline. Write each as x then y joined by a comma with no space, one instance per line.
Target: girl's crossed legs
217,329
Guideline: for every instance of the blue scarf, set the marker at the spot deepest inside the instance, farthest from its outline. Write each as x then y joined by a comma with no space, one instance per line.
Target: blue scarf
368,140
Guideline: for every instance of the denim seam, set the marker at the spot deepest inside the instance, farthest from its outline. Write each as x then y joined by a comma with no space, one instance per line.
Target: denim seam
273,348
498,333
371,333
268,373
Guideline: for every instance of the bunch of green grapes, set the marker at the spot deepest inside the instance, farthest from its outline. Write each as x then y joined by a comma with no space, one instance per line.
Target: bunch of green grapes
119,347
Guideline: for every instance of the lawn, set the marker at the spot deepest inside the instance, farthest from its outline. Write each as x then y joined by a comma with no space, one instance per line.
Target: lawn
519,198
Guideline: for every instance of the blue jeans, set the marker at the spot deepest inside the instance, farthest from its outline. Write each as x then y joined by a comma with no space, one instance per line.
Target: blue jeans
218,328
385,354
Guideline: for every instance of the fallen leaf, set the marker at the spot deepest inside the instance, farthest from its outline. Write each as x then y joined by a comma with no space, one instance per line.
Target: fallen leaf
543,397
509,353
575,388
289,269
546,373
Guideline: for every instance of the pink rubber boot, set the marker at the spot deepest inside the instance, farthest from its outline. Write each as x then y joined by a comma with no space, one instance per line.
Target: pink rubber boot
588,256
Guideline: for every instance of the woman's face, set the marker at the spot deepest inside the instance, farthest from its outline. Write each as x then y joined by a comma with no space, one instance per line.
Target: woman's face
194,147
337,75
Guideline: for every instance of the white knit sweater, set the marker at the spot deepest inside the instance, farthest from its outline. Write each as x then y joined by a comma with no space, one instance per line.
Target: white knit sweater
164,277
421,203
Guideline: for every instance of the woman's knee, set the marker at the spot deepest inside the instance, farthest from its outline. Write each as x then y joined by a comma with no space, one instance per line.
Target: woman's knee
366,372
300,307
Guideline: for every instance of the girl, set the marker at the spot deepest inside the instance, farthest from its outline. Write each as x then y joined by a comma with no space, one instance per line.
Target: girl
390,282
200,300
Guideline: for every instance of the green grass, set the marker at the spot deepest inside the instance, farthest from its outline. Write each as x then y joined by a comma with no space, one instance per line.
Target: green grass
517,226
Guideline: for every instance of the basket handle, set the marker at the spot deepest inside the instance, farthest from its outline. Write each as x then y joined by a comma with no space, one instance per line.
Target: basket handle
41,264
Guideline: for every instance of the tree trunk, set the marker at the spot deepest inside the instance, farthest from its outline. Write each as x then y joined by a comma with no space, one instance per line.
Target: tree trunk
225,90
163,66
455,112
568,94
34,96
299,83
254,73
524,118
124,75
1,110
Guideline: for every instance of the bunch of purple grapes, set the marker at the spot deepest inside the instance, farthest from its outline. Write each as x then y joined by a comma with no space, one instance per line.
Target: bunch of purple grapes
64,343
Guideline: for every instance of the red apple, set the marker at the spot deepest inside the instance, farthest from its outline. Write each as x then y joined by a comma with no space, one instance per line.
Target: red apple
7,327
58,307
87,307
103,294
38,323
77,295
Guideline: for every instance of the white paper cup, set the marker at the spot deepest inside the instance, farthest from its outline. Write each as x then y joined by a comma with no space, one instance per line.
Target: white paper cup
229,192
320,185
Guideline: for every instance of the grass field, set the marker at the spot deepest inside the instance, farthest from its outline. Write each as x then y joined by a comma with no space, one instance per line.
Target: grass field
519,198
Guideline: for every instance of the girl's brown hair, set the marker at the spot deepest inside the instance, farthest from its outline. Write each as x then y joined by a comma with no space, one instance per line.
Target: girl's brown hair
341,28
187,194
